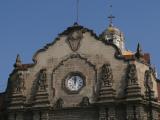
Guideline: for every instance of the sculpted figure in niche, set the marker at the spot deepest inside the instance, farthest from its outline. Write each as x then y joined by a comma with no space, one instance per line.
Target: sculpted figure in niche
85,101
132,78
42,80
107,76
19,83
148,79
59,103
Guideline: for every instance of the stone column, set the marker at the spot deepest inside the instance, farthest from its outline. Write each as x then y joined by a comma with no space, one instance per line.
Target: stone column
19,116
112,113
102,113
136,112
45,116
36,115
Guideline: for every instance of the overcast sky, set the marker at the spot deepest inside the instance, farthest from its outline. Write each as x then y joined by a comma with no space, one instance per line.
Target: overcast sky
27,25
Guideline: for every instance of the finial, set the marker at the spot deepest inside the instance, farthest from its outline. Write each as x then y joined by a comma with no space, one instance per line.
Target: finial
18,61
139,51
111,17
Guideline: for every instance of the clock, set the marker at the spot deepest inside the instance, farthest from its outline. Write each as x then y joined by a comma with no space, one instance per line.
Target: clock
74,82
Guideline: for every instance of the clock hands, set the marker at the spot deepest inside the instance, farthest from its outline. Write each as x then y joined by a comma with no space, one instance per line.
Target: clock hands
75,80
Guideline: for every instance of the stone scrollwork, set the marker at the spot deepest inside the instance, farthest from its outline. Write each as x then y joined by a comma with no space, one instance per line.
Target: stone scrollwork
132,77
74,39
107,76
148,79
19,83
42,78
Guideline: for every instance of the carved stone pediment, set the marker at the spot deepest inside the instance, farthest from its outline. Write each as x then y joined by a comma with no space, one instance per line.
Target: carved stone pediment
74,40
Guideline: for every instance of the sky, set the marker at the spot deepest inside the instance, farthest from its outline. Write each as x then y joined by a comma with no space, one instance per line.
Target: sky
28,25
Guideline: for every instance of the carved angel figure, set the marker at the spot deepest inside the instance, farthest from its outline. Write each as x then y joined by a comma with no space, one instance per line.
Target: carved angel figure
107,76
132,78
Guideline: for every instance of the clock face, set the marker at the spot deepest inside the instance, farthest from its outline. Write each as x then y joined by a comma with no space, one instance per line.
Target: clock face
74,83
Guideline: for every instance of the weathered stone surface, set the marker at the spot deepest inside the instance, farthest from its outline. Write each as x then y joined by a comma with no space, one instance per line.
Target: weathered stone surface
112,93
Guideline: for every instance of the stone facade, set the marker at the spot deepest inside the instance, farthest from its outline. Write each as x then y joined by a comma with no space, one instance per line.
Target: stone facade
81,77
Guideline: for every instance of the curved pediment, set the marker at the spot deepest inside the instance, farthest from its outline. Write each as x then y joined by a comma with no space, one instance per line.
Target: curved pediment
67,35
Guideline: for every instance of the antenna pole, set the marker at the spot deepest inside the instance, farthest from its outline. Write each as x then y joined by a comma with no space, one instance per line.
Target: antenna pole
77,9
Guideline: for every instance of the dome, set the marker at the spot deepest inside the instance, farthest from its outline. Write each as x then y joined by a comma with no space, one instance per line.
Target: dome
111,30
114,36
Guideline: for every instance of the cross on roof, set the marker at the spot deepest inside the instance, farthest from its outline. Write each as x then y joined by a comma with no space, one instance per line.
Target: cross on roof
111,17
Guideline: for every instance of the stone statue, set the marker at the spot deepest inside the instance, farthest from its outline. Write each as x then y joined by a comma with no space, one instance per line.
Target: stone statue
148,79
19,83
107,76
42,80
85,101
132,78
59,103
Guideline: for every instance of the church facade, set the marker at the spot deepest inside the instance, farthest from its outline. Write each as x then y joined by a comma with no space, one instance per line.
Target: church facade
82,76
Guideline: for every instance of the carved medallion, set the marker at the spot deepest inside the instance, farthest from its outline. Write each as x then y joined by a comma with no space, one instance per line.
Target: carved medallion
74,40
132,78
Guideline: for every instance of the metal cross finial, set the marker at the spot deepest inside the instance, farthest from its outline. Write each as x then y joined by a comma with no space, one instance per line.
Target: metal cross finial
111,17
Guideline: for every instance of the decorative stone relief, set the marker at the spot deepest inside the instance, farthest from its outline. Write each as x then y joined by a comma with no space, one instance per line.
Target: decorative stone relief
107,76
74,40
132,77
19,83
42,80
148,79
59,103
85,101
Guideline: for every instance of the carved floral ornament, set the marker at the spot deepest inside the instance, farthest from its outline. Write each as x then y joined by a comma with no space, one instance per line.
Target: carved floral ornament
106,75
132,77
74,39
